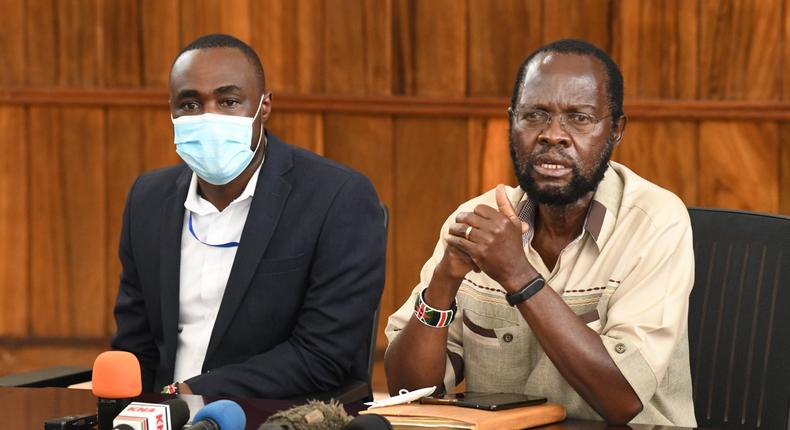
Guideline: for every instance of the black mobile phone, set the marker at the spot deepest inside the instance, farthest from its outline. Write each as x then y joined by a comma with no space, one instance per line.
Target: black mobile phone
486,401
72,422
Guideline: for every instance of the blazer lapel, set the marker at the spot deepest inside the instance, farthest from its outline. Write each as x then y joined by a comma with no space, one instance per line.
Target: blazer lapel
170,264
271,193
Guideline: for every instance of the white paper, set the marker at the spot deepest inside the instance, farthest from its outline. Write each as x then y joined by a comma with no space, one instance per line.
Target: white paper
405,396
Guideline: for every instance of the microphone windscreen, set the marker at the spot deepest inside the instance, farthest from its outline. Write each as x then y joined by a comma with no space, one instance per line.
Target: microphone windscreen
226,413
314,415
369,422
179,412
116,375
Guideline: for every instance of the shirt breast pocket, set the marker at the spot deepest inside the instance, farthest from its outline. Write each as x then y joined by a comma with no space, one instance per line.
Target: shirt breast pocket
495,353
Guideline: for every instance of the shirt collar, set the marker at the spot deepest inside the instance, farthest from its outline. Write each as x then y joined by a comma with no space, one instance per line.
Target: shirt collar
601,214
200,206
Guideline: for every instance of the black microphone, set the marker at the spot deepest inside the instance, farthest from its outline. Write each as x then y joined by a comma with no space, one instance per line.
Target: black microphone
369,422
312,416
219,415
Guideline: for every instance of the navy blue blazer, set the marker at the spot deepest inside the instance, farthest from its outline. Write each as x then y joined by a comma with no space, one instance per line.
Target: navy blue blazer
307,277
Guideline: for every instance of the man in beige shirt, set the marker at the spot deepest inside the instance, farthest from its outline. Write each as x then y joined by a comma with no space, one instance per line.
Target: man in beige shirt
574,285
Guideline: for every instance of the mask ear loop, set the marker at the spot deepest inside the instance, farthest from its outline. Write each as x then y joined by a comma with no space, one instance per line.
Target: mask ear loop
260,136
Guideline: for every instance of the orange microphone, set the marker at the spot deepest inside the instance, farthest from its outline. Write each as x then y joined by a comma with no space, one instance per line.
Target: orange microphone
116,380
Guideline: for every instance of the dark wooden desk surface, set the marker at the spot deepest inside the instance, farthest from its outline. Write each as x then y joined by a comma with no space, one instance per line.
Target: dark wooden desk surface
27,408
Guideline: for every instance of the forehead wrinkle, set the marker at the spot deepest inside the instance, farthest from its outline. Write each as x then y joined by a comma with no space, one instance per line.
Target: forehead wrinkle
541,87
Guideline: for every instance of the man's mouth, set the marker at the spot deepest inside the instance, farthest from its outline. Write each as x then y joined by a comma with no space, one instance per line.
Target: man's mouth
551,166
554,168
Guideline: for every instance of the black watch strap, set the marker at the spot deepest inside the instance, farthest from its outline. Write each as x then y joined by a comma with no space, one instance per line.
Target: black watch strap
528,291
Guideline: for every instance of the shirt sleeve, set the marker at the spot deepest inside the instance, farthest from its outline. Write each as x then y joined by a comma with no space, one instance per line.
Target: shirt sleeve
646,316
454,365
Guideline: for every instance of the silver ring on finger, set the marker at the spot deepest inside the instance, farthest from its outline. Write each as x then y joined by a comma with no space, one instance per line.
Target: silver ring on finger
468,232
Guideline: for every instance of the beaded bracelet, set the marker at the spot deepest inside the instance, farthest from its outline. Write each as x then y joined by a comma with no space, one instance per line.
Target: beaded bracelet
171,389
433,317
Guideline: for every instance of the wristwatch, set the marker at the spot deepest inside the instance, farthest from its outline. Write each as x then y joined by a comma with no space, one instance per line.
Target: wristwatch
529,290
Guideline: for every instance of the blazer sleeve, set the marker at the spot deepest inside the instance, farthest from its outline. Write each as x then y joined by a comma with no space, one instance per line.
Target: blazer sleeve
345,285
133,332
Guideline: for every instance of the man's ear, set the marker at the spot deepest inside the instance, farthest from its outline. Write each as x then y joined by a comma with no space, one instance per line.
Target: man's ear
266,107
618,129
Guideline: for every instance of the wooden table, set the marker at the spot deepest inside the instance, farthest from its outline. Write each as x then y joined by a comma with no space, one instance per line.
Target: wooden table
27,408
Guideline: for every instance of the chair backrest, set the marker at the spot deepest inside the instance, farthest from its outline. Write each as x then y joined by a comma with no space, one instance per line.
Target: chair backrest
375,324
739,319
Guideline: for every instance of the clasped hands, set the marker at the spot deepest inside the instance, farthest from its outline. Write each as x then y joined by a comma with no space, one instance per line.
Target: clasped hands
493,244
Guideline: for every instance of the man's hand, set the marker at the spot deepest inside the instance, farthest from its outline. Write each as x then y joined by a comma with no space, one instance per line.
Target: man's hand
456,263
448,274
495,242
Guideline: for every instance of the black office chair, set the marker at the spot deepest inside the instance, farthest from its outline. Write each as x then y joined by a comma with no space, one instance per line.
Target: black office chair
351,391
739,319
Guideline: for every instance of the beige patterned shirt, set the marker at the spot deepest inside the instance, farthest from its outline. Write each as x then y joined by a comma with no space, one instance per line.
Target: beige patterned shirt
628,276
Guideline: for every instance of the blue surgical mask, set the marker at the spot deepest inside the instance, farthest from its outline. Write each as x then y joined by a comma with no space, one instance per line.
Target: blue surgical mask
216,147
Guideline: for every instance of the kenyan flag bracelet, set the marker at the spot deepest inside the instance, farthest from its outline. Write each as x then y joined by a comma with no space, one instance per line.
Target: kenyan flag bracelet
433,317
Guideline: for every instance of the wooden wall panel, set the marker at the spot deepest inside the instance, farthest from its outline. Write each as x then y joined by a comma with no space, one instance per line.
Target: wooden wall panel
160,41
365,143
489,156
199,17
664,153
430,36
655,45
68,259
289,38
579,19
41,42
158,147
14,222
476,132
300,129
740,54
80,52
12,47
430,183
358,40
124,161
786,54
121,44
85,224
27,358
739,165
502,34
50,289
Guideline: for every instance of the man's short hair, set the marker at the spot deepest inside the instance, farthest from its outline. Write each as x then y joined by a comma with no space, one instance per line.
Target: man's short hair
219,40
614,78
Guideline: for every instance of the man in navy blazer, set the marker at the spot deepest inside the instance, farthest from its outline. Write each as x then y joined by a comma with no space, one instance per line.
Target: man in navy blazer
255,268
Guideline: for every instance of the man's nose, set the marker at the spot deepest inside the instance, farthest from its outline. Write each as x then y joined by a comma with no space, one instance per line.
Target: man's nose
211,106
554,133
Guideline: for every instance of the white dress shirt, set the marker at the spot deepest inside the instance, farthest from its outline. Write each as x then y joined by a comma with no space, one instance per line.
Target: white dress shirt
205,270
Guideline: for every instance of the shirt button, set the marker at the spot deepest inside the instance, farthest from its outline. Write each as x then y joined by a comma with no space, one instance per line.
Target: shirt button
619,348
507,337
